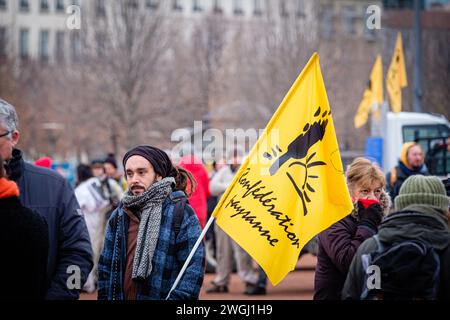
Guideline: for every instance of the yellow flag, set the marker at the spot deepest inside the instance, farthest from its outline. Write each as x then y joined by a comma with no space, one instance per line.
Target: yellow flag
291,186
396,76
372,94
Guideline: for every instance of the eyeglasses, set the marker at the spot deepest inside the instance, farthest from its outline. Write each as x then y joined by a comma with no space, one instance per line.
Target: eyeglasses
5,134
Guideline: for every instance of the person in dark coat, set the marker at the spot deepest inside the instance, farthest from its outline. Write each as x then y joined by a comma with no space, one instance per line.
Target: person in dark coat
411,162
422,213
338,244
24,244
49,194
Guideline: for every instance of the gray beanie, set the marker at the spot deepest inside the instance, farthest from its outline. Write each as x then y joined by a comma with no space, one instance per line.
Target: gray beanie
418,189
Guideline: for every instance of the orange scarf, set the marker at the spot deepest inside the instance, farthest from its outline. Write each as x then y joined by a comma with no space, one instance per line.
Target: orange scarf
8,189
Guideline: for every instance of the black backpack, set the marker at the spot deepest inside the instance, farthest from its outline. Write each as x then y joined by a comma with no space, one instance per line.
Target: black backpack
409,270
178,213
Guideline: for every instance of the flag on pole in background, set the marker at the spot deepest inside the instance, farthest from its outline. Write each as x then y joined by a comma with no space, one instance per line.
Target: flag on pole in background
372,94
396,76
291,186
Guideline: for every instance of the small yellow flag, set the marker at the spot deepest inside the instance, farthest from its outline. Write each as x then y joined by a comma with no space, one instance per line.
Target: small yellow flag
372,94
291,186
396,76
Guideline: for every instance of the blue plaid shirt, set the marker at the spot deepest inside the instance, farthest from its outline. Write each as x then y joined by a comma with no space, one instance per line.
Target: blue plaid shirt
168,259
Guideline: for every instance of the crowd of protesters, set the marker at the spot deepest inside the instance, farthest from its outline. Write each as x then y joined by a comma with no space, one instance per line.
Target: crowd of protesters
127,235
385,252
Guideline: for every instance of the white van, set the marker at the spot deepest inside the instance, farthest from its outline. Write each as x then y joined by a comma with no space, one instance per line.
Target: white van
425,128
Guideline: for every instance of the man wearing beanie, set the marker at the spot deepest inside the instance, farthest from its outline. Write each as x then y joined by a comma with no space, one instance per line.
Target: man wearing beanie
422,215
411,162
150,235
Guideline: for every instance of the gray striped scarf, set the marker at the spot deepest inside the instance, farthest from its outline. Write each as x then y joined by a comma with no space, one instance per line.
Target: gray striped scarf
149,204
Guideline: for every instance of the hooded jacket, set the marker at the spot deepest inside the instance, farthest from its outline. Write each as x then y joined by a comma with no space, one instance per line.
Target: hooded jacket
415,222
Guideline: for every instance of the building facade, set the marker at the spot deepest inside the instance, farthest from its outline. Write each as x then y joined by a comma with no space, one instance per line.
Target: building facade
37,29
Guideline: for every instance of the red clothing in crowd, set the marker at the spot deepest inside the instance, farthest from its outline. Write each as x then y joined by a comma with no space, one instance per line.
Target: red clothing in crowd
198,200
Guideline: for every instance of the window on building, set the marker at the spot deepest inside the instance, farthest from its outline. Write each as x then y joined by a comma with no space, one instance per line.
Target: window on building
60,6
152,4
300,11
44,52
176,5
24,38
327,22
237,7
101,47
59,46
257,8
44,6
75,43
3,4
24,5
197,6
3,41
134,4
401,4
349,15
283,9
100,10
217,8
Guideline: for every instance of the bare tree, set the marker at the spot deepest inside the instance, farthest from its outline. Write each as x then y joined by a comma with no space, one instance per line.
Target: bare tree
265,58
207,49
436,71
122,49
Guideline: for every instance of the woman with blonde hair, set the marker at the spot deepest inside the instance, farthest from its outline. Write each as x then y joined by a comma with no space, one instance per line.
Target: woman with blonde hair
338,243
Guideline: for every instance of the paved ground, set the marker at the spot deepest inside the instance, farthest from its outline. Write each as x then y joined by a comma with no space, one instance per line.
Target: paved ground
298,285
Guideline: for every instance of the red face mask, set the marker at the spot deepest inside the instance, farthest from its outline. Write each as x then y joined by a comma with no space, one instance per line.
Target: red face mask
368,202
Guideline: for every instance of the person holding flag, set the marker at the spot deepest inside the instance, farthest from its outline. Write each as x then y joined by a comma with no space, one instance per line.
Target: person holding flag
338,244
151,233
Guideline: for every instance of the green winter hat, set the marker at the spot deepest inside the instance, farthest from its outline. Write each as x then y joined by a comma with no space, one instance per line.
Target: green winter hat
418,189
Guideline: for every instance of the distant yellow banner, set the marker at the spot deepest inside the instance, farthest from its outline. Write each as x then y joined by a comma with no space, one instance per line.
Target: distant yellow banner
291,186
372,94
396,77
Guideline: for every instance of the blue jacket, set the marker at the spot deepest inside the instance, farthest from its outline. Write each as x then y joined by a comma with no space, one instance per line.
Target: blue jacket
168,259
49,194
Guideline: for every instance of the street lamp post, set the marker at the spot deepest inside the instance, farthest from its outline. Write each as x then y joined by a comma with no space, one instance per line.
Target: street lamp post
52,128
417,99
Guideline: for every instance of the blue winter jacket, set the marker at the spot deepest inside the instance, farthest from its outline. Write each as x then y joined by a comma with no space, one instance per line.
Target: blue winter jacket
70,251
168,259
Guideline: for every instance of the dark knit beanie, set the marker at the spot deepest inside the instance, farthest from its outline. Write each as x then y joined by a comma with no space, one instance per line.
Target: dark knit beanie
418,189
97,163
111,160
158,159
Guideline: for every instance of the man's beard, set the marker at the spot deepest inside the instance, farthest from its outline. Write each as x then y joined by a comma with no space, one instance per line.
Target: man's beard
138,190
